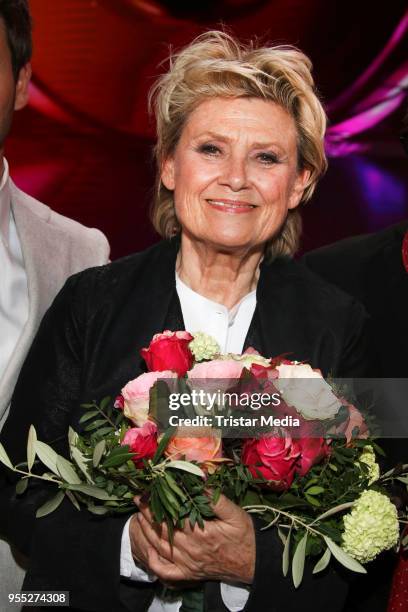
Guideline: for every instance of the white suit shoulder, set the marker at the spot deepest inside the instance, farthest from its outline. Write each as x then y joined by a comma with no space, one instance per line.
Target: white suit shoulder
87,244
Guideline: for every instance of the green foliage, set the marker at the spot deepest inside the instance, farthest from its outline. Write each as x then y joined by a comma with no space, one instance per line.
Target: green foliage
101,476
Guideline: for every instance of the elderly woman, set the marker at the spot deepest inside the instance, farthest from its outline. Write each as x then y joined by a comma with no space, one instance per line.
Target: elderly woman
239,149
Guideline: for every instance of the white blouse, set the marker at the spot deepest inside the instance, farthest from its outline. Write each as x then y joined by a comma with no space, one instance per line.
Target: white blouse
229,328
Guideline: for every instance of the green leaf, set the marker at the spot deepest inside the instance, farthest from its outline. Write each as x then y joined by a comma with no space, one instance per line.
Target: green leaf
32,438
315,490
344,558
104,430
95,424
323,562
378,449
298,561
88,415
334,510
186,466
99,510
72,499
21,486
216,496
193,517
47,456
118,459
162,444
282,536
66,471
4,458
312,500
72,437
50,505
169,494
156,506
285,556
174,486
105,402
165,500
403,479
81,461
93,491
98,452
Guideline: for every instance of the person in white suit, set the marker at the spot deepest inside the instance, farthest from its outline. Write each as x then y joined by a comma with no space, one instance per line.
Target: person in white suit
39,248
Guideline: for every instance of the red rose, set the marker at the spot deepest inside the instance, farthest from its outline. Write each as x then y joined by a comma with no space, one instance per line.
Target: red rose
119,402
274,457
312,451
169,351
143,441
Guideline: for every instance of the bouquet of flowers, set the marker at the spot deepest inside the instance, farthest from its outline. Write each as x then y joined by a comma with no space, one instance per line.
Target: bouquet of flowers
310,471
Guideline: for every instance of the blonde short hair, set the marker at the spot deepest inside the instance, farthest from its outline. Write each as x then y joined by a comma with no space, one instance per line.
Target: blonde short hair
216,64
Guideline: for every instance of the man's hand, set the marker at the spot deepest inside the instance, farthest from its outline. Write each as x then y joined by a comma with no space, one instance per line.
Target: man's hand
224,550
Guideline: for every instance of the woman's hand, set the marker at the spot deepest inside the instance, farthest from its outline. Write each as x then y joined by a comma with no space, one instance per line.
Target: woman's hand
224,550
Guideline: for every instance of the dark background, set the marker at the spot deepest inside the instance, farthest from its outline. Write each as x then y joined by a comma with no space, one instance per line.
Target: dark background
83,145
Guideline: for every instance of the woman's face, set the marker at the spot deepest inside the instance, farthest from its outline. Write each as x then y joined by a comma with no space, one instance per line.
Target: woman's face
234,172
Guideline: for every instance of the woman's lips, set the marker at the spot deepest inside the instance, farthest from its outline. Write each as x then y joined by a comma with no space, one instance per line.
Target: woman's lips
231,206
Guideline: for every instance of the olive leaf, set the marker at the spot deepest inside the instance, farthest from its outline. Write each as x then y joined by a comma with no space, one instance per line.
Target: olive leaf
187,467
66,471
93,491
4,458
50,505
344,558
334,510
285,556
298,561
47,456
323,562
81,462
32,439
98,452
21,486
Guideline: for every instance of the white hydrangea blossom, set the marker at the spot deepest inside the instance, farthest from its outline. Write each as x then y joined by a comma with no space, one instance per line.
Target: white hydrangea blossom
204,347
371,527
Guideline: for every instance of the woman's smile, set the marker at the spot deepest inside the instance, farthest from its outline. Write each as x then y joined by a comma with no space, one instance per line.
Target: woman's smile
231,206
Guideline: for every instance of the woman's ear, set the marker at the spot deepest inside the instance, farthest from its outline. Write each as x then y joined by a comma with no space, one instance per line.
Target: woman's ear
167,174
301,182
23,81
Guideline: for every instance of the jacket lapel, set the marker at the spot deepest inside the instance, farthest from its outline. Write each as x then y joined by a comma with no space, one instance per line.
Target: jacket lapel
40,244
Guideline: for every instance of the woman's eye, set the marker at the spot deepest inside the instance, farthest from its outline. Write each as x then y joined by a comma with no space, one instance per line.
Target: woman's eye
209,149
268,158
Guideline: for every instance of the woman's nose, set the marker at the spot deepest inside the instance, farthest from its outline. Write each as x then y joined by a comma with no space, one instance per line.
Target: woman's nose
234,174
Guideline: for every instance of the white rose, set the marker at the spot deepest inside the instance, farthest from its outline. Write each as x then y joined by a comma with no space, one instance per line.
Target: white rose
313,400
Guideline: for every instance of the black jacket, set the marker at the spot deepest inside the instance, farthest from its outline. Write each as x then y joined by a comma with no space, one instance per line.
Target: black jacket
370,268
88,347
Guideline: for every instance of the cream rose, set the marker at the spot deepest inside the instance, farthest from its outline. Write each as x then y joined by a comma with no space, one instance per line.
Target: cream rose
313,399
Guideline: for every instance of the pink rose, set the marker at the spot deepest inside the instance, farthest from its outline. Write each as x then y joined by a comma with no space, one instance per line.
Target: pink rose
136,395
217,368
142,441
169,351
312,451
355,422
215,376
274,457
